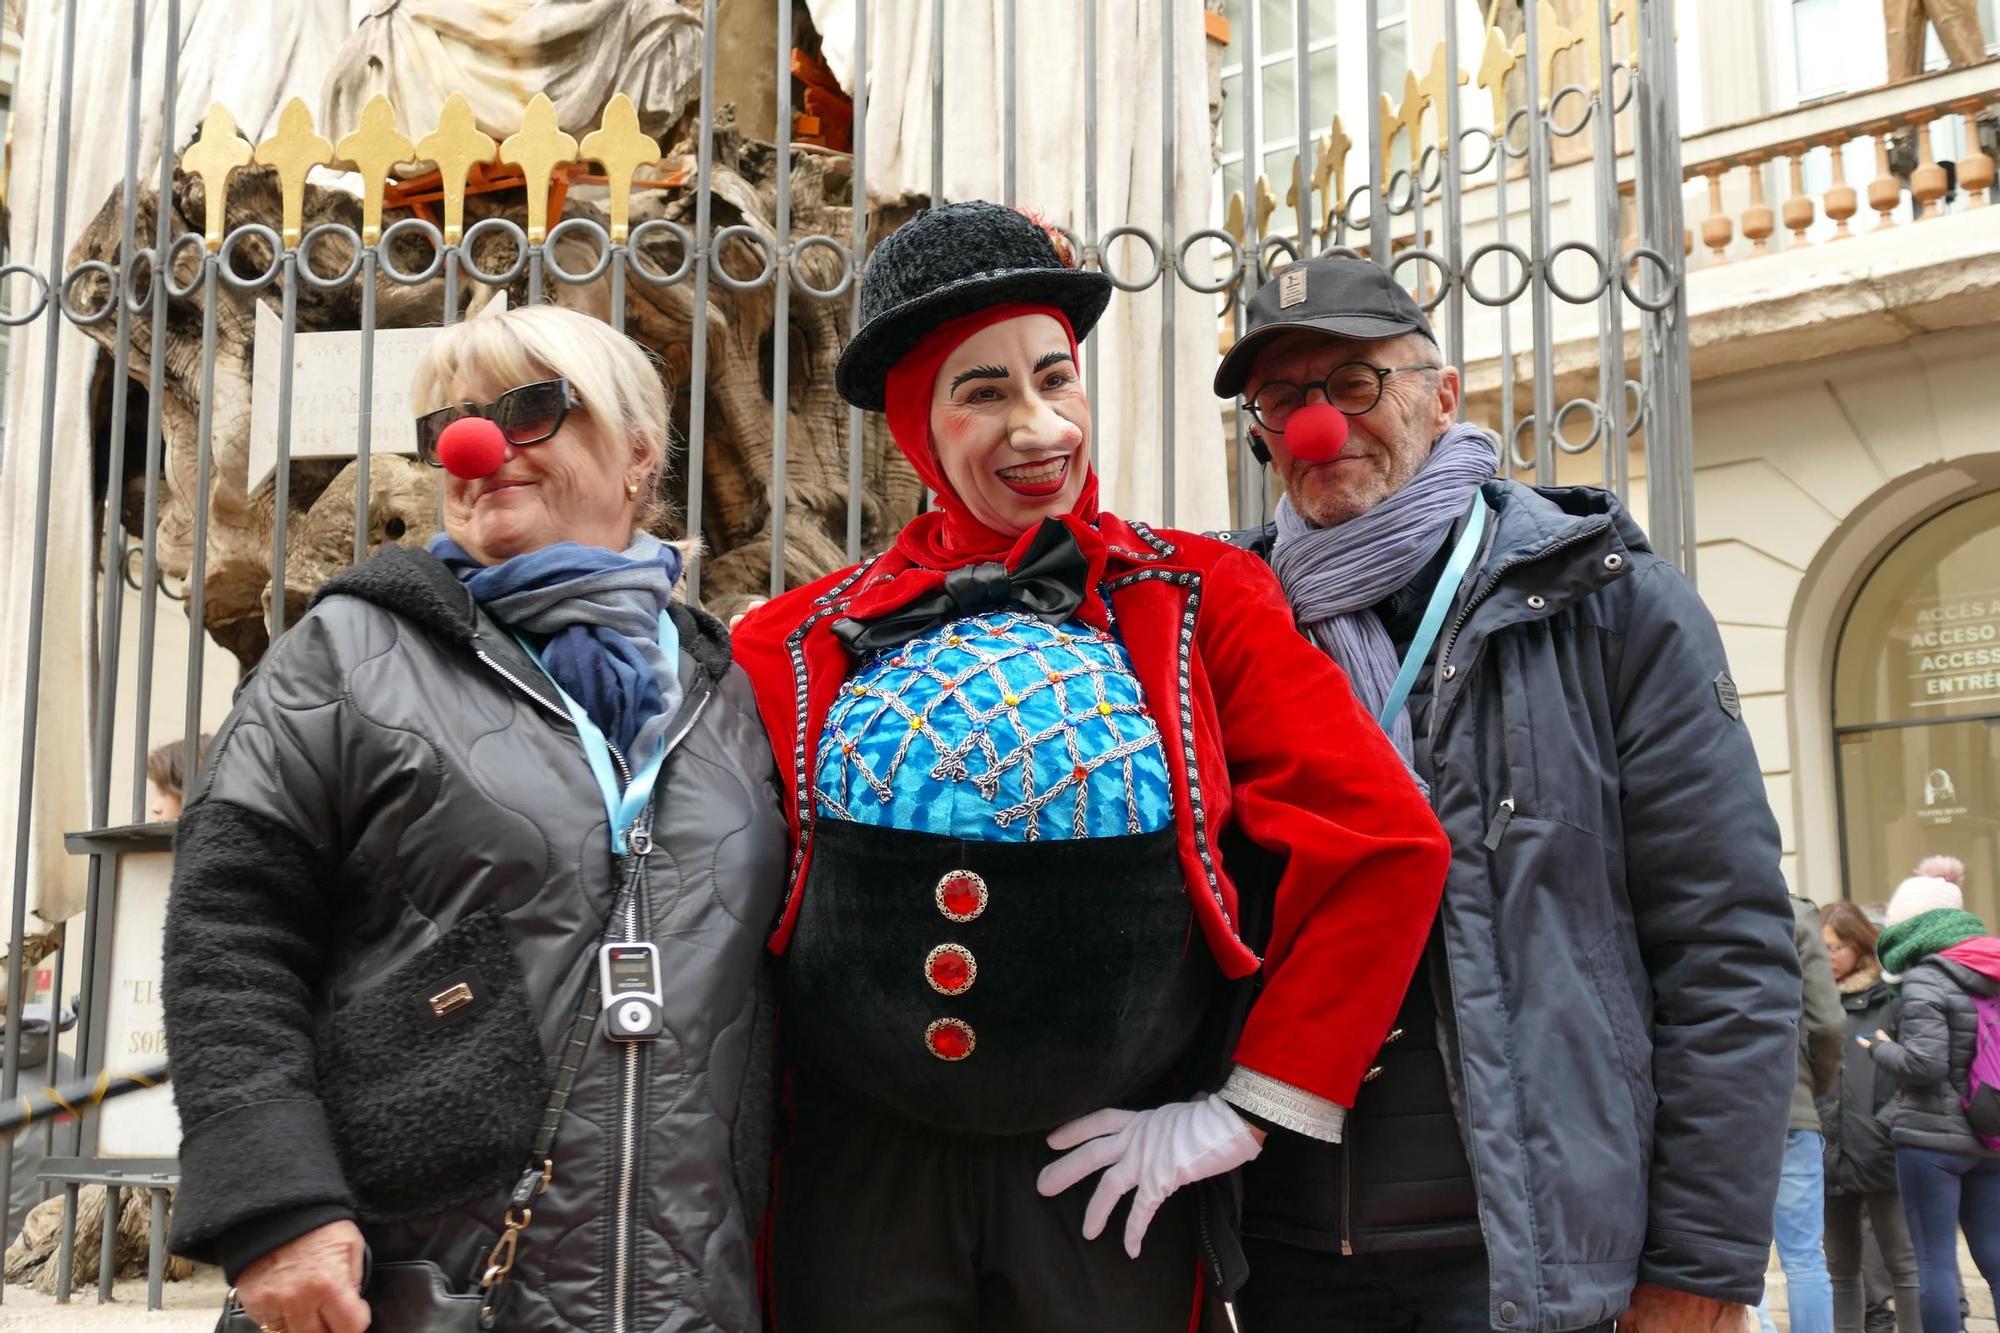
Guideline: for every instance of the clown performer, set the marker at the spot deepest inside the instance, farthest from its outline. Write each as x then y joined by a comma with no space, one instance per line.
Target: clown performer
1014,745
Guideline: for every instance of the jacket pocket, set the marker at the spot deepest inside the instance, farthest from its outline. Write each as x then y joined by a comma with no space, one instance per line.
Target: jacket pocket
1606,971
433,1078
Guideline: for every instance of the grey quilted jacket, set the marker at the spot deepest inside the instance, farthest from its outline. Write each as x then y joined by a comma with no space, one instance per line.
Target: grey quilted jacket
1936,1034
398,807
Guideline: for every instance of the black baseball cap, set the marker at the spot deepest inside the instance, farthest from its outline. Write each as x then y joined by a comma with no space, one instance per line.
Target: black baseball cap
1342,297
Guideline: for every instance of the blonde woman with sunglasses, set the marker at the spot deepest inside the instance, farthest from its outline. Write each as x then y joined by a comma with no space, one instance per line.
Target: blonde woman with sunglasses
464,957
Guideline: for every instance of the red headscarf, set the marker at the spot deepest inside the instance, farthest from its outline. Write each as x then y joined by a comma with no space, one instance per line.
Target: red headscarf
949,537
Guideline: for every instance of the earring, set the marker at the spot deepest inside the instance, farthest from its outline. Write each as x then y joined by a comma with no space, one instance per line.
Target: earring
631,490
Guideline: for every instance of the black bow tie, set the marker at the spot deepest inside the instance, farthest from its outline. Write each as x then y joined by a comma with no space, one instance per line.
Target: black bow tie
1048,584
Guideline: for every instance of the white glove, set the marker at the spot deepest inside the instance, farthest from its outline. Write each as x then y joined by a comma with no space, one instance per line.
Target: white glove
1149,1154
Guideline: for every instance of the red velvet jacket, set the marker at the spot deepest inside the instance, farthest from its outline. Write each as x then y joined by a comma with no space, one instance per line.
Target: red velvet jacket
1262,729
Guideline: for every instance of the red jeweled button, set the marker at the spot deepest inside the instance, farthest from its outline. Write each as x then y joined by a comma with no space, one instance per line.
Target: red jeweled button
961,895
950,1039
950,969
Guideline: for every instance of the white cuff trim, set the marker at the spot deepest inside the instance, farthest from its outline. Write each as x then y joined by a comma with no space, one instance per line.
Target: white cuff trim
1282,1104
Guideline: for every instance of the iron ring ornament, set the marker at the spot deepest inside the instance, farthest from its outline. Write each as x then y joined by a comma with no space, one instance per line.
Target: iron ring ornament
642,267
1664,269
513,231
226,257
386,262
820,242
1347,208
1430,168
1520,118
1399,204
1116,234
1596,425
311,276
137,301
1635,419
1468,167
186,240
578,226
1235,260
85,319
721,273
1438,262
1580,92
1514,252
10,318
1522,462
1266,269
1597,288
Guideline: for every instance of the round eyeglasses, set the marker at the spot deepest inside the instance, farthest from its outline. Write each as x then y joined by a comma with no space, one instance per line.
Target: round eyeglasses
1353,387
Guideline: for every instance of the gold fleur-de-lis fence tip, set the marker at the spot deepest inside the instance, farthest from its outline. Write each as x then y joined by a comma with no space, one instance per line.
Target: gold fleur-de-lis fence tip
374,149
214,157
1232,220
1411,117
1267,204
1494,67
294,150
1388,122
1333,153
621,149
538,149
455,147
1439,85
1555,39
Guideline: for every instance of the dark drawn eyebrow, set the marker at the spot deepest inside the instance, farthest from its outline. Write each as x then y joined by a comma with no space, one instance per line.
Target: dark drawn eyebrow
978,373
1051,359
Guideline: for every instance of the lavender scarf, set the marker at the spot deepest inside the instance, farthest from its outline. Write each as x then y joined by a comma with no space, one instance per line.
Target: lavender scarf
1334,576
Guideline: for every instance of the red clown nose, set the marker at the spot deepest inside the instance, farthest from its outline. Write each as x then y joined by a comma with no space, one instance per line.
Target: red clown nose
471,448
1316,433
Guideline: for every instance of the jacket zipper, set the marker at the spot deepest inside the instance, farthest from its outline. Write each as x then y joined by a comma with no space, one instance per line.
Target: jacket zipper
1493,582
639,840
1347,1184
1498,828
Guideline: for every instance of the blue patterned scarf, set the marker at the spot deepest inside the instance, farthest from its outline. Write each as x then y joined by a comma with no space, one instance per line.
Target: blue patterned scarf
596,615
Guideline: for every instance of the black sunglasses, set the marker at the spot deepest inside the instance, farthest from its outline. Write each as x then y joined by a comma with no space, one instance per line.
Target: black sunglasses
525,415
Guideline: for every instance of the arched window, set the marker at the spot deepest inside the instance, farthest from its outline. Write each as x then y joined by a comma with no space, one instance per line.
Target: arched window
1917,710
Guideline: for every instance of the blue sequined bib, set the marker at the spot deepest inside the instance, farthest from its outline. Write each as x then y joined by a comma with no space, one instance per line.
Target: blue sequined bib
998,727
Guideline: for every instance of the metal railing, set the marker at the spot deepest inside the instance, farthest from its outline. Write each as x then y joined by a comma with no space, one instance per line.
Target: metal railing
1420,221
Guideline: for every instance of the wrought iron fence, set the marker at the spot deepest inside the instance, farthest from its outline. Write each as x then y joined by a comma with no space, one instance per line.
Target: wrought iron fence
1495,296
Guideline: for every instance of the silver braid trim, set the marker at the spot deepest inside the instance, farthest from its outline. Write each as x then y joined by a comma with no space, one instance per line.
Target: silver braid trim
1282,1104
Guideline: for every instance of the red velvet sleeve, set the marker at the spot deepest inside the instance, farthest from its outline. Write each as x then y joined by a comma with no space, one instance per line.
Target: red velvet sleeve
1315,782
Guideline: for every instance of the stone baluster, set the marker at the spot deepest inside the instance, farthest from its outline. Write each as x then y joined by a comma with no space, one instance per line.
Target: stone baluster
1975,165
1758,219
1798,209
1885,191
1929,181
1841,201
1716,228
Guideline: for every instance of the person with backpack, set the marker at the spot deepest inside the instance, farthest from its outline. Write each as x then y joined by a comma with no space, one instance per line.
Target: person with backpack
1860,1160
1946,1055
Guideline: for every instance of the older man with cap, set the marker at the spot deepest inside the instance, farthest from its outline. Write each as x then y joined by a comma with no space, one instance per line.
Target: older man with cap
1580,1113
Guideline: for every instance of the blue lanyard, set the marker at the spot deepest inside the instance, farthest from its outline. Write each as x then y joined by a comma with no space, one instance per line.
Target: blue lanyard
1442,597
631,808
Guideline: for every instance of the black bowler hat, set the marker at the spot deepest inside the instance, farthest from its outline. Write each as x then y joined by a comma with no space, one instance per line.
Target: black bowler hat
950,261
1344,298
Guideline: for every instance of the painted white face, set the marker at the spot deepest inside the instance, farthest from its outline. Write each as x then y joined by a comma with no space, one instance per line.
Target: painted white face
1011,424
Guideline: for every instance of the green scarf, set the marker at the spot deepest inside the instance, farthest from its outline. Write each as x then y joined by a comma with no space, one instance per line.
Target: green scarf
1908,943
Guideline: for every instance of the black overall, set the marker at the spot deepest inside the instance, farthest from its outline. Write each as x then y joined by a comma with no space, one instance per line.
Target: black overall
906,1197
